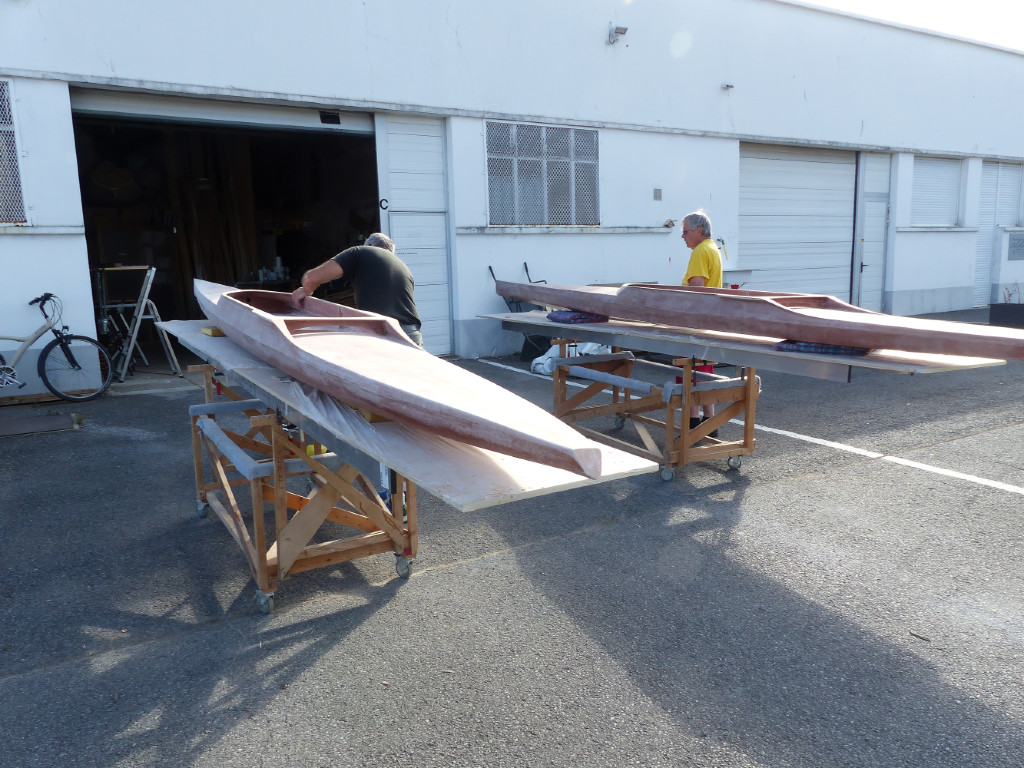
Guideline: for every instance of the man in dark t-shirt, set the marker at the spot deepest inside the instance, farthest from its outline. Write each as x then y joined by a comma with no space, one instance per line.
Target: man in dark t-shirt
381,281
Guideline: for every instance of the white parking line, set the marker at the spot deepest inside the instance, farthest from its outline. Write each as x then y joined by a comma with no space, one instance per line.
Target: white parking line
958,475
895,460
817,441
835,446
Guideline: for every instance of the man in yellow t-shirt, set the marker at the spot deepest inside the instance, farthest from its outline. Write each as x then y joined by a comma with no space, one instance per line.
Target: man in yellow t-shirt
704,269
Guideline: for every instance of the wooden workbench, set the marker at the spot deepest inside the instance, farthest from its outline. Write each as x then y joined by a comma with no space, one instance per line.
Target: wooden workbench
733,398
464,476
666,407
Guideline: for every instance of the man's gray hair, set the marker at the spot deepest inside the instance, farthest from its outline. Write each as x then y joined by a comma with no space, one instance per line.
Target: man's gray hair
698,220
380,240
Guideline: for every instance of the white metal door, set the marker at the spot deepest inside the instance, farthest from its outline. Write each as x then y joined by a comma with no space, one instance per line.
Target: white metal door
872,226
1000,207
411,177
796,218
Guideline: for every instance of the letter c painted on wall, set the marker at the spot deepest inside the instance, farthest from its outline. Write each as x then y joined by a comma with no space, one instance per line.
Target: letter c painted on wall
383,203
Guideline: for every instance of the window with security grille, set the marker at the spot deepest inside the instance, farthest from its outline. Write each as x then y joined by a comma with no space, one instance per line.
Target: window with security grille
12,206
540,175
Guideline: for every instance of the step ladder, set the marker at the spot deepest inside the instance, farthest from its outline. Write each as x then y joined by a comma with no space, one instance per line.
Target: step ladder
143,309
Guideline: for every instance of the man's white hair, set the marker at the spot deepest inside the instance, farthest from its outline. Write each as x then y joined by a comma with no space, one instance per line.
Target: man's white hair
380,240
698,220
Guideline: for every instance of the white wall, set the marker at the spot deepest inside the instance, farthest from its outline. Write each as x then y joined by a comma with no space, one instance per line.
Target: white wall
51,254
932,271
46,145
632,242
798,74
32,266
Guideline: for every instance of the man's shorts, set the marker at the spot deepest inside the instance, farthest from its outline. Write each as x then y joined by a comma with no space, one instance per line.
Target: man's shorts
698,365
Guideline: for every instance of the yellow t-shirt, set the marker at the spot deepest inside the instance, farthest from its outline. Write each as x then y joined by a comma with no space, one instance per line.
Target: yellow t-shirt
706,262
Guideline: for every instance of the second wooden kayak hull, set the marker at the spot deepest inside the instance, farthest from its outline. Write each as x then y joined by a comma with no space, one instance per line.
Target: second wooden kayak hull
797,317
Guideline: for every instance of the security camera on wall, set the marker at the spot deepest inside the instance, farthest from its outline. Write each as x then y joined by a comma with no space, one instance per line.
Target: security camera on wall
614,33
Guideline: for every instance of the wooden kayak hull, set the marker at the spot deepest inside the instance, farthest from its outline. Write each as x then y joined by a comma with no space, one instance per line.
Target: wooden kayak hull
366,361
793,316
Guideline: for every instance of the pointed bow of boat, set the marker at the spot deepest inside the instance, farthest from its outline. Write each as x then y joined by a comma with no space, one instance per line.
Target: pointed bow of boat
589,461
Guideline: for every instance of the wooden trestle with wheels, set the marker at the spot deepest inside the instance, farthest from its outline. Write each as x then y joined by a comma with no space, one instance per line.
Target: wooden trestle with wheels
262,460
634,400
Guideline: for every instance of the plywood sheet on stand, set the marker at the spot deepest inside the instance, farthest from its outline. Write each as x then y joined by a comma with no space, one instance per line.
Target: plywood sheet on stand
464,476
736,349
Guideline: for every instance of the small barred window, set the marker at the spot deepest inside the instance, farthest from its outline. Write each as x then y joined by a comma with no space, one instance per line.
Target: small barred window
12,206
539,175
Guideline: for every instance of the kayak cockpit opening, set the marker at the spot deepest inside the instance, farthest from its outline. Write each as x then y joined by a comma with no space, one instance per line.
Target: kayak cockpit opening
266,302
300,325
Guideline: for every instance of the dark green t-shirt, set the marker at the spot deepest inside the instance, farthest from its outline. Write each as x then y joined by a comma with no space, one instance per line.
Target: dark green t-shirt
381,282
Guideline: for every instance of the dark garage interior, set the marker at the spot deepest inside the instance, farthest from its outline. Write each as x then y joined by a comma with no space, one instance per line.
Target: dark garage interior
240,206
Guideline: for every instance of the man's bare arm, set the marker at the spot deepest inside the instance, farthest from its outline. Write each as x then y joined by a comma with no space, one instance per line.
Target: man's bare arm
315,277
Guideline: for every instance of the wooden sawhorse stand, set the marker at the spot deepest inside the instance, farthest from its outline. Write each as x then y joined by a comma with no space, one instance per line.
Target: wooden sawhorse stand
263,459
615,371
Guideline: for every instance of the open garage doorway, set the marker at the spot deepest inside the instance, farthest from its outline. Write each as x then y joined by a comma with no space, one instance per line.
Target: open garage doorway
237,205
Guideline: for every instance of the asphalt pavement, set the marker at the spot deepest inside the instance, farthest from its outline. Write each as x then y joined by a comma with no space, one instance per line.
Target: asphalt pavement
851,596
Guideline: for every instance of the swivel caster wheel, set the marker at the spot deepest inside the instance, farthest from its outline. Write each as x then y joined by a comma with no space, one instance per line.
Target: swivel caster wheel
403,566
734,462
668,474
265,601
201,509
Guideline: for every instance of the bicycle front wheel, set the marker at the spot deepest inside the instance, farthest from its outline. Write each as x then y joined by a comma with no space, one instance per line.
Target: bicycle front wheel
75,368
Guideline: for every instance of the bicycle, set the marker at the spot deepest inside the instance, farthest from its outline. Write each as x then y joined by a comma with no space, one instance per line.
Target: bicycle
70,366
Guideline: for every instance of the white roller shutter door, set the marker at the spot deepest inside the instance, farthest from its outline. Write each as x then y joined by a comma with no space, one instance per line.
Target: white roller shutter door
411,170
1000,207
196,111
796,218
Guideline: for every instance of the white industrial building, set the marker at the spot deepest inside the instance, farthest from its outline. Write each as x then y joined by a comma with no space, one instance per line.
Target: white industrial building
247,141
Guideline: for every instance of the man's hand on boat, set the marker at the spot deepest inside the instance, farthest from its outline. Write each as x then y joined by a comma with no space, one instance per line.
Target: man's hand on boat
298,296
314,278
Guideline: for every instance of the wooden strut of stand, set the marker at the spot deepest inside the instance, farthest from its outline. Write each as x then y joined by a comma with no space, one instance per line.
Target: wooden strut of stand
264,459
734,397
